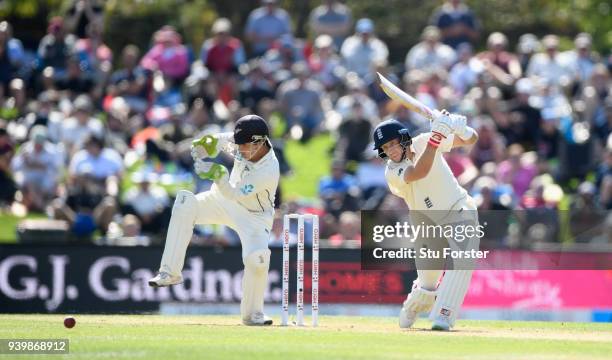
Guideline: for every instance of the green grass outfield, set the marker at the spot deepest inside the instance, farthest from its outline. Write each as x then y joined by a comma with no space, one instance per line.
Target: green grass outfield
221,337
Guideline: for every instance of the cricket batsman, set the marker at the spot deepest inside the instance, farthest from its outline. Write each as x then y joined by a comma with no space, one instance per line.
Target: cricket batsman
417,172
242,200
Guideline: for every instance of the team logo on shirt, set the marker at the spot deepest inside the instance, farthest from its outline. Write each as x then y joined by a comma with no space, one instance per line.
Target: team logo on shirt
401,170
445,312
428,203
247,189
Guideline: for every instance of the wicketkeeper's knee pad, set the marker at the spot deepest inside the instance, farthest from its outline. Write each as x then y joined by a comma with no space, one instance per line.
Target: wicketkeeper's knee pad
419,299
185,204
258,261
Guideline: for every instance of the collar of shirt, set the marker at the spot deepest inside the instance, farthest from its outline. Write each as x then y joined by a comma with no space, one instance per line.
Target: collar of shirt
262,162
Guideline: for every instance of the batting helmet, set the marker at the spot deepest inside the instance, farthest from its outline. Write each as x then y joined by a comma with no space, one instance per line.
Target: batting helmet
389,130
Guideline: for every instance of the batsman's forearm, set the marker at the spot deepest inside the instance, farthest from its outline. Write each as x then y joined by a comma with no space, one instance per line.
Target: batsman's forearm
423,165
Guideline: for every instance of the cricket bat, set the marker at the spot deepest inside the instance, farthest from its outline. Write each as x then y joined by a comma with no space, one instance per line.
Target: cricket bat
408,101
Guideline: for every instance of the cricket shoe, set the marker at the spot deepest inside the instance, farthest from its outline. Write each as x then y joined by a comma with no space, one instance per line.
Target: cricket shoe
257,319
165,279
407,318
442,321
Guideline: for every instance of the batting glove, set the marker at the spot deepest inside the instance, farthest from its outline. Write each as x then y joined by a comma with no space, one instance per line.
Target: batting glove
209,170
441,128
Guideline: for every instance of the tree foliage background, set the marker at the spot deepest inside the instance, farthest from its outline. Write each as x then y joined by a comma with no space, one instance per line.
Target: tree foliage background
398,22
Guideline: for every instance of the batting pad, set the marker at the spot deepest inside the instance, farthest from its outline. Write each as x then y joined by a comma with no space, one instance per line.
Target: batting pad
179,234
254,282
451,293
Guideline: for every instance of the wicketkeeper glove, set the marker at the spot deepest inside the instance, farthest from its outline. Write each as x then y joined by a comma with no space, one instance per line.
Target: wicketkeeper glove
209,146
209,170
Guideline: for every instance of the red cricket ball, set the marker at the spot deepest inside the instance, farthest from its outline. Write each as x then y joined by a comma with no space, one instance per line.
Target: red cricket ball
69,322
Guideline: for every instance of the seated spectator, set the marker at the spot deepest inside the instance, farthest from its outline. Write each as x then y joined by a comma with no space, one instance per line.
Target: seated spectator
301,100
8,187
75,81
94,54
524,120
549,66
502,65
80,126
457,23
604,180
430,53
581,59
96,161
37,167
331,18
354,135
370,176
15,106
518,170
257,85
131,81
339,191
597,97
464,73
539,219
586,217
126,233
12,57
168,55
279,59
357,94
265,25
93,185
149,202
490,145
528,45
349,228
415,125
222,55
363,49
55,47
325,63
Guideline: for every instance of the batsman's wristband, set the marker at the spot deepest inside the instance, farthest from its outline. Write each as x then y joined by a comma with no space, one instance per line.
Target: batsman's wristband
436,139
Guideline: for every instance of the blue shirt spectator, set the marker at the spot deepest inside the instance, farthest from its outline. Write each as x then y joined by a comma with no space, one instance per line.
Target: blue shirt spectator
266,24
331,18
456,22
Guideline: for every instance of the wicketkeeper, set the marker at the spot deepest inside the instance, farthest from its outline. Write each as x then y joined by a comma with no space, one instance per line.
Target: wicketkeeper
417,172
242,200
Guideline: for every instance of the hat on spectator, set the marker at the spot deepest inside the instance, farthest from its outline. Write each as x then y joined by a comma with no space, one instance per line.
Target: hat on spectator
300,68
431,32
528,43
497,38
364,26
323,41
550,41
83,103
38,134
221,25
583,41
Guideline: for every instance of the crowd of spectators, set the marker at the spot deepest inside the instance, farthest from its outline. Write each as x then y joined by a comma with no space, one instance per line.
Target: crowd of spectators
101,140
